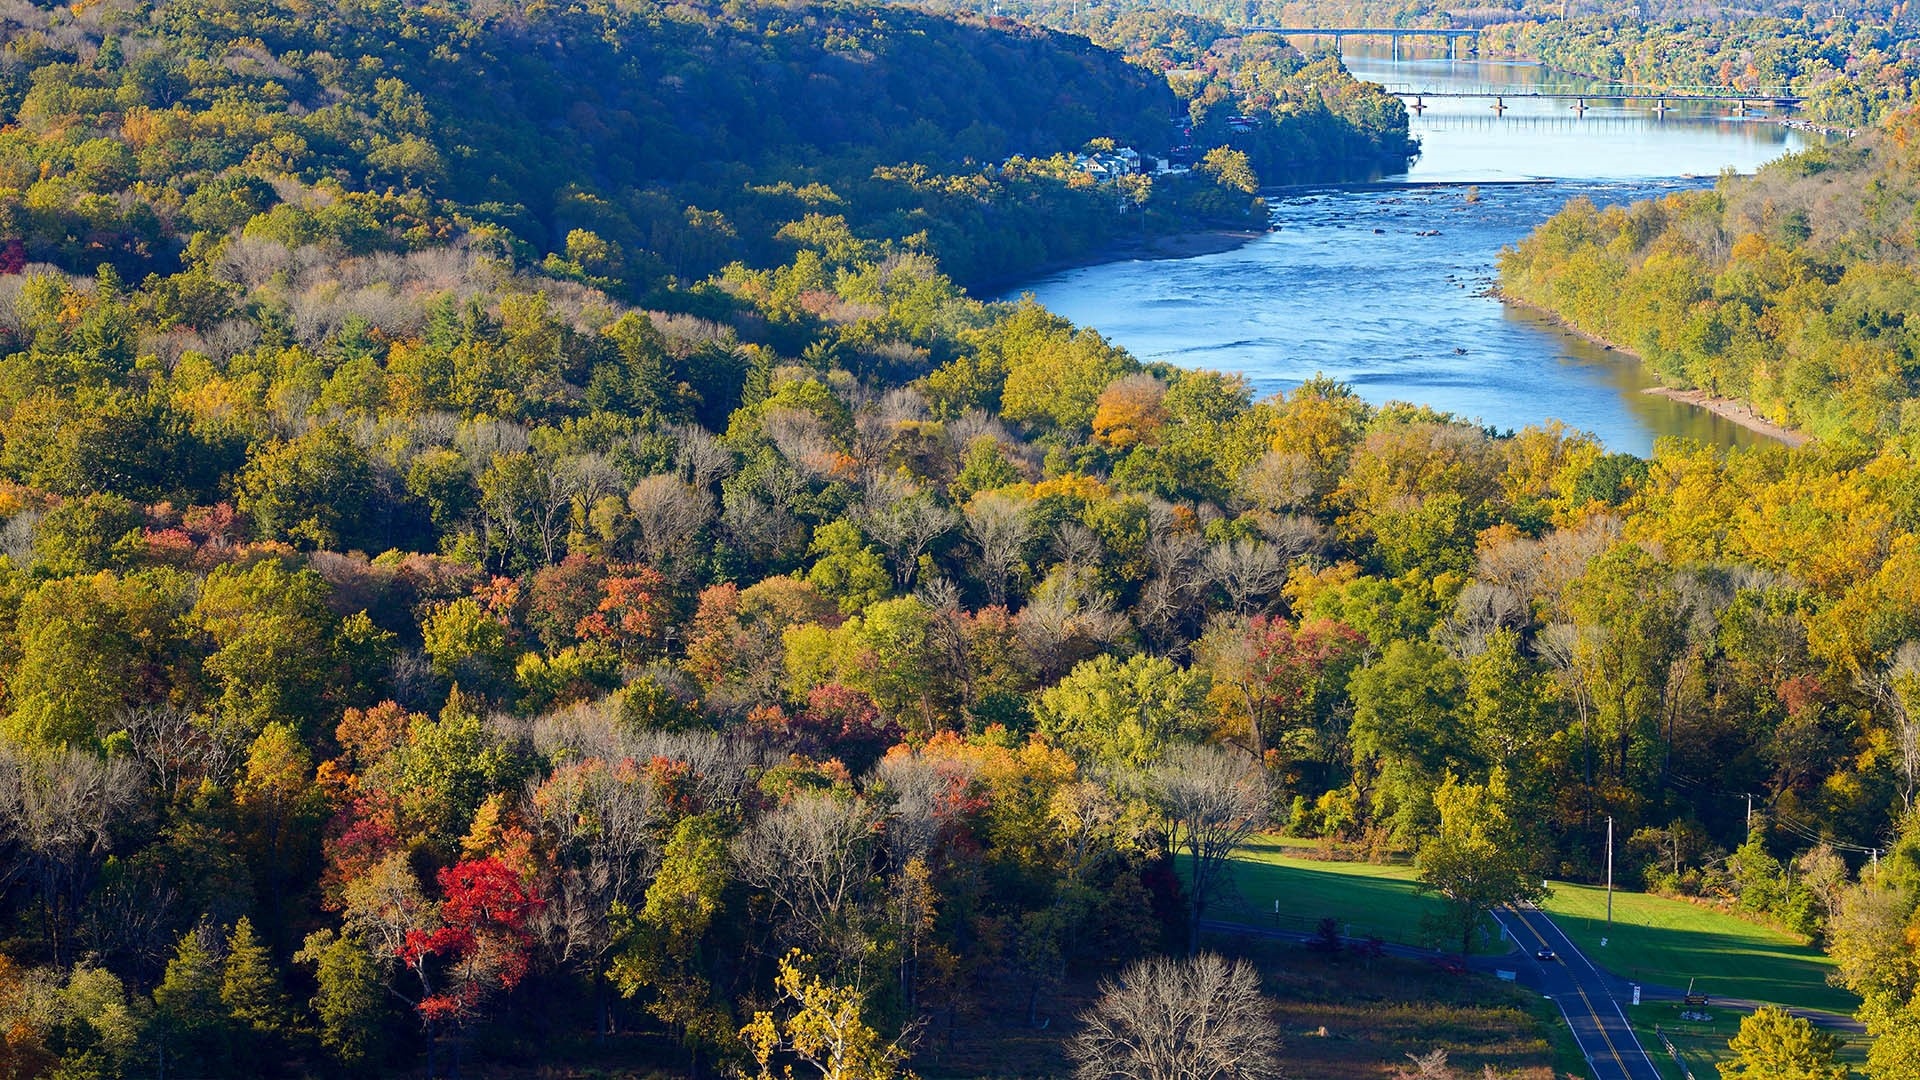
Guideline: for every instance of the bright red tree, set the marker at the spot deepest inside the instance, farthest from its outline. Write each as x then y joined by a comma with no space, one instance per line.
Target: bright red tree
482,943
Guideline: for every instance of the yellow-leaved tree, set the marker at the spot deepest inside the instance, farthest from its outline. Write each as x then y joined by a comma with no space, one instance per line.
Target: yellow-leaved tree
819,1025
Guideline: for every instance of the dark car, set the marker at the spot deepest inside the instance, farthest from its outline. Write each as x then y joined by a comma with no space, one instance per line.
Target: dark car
1545,955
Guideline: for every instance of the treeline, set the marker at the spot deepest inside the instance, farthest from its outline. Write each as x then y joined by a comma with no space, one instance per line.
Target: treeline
1312,121
1851,70
671,139
1792,289
1476,13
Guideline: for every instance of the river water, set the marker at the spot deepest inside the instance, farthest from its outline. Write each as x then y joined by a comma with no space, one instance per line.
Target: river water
1385,288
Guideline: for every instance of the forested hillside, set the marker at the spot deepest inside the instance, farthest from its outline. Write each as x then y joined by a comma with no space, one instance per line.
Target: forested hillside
1851,72
679,140
1793,289
515,550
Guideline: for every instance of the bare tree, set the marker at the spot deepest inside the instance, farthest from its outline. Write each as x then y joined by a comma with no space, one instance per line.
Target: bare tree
1897,688
59,813
699,457
718,767
1066,619
1248,571
16,538
1175,590
178,749
906,524
1199,1018
602,826
1431,1065
811,858
1212,799
669,514
594,477
1077,547
1278,482
999,525
802,438
758,509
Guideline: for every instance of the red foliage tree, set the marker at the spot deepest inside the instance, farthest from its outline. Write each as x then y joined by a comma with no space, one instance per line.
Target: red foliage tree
482,943
845,723
560,597
631,613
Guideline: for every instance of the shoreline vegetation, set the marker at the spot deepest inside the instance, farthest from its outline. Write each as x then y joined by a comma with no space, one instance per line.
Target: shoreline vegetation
1732,410
1183,245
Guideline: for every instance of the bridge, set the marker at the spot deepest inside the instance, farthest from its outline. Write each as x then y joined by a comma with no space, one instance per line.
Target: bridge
1393,34
1662,98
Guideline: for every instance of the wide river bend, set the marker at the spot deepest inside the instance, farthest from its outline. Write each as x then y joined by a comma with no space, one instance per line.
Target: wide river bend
1385,288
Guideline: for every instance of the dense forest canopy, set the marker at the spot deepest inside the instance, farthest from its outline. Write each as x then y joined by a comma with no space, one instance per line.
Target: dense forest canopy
673,139
515,540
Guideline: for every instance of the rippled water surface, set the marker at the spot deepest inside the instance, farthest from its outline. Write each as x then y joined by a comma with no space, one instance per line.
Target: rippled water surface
1384,288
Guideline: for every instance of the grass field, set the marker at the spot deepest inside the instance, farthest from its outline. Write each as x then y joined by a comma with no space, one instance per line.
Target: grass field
1367,898
1341,1017
1702,1045
1653,939
1670,941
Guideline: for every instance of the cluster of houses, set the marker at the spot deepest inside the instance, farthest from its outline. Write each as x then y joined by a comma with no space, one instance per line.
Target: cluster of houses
1124,161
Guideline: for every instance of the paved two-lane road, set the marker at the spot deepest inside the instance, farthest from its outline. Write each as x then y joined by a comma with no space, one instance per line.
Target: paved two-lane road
1585,995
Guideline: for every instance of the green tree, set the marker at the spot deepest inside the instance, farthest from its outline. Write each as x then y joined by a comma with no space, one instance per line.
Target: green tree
272,637
192,1028
350,999
250,988
665,952
81,536
1773,1044
1406,728
90,649
316,491
1124,713
846,568
1477,860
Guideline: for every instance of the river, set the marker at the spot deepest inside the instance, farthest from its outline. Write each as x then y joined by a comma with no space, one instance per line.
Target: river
1385,289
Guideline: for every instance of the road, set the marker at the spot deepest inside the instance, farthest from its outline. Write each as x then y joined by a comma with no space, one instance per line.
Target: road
1585,995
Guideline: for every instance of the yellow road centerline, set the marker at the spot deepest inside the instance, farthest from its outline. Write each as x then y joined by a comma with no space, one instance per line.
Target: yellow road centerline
1599,1025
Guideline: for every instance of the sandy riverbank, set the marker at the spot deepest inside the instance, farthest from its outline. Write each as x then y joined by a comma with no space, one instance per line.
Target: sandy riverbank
1735,410
1729,409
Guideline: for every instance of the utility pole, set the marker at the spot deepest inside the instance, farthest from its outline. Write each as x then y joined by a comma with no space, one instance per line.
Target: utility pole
1609,876
1749,811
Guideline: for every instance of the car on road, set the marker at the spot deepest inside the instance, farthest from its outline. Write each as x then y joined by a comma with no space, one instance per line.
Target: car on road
1545,956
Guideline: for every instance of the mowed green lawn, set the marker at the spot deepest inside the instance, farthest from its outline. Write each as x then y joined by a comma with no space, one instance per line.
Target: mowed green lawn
1367,898
1670,941
1654,939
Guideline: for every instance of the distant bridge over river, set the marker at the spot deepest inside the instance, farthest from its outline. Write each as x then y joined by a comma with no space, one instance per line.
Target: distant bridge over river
1661,98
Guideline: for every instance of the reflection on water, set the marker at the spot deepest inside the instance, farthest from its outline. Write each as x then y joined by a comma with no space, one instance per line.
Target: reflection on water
1386,289
1463,138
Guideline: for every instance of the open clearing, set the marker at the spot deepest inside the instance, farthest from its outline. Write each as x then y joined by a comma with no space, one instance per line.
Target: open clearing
1668,942
1653,939
1367,898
